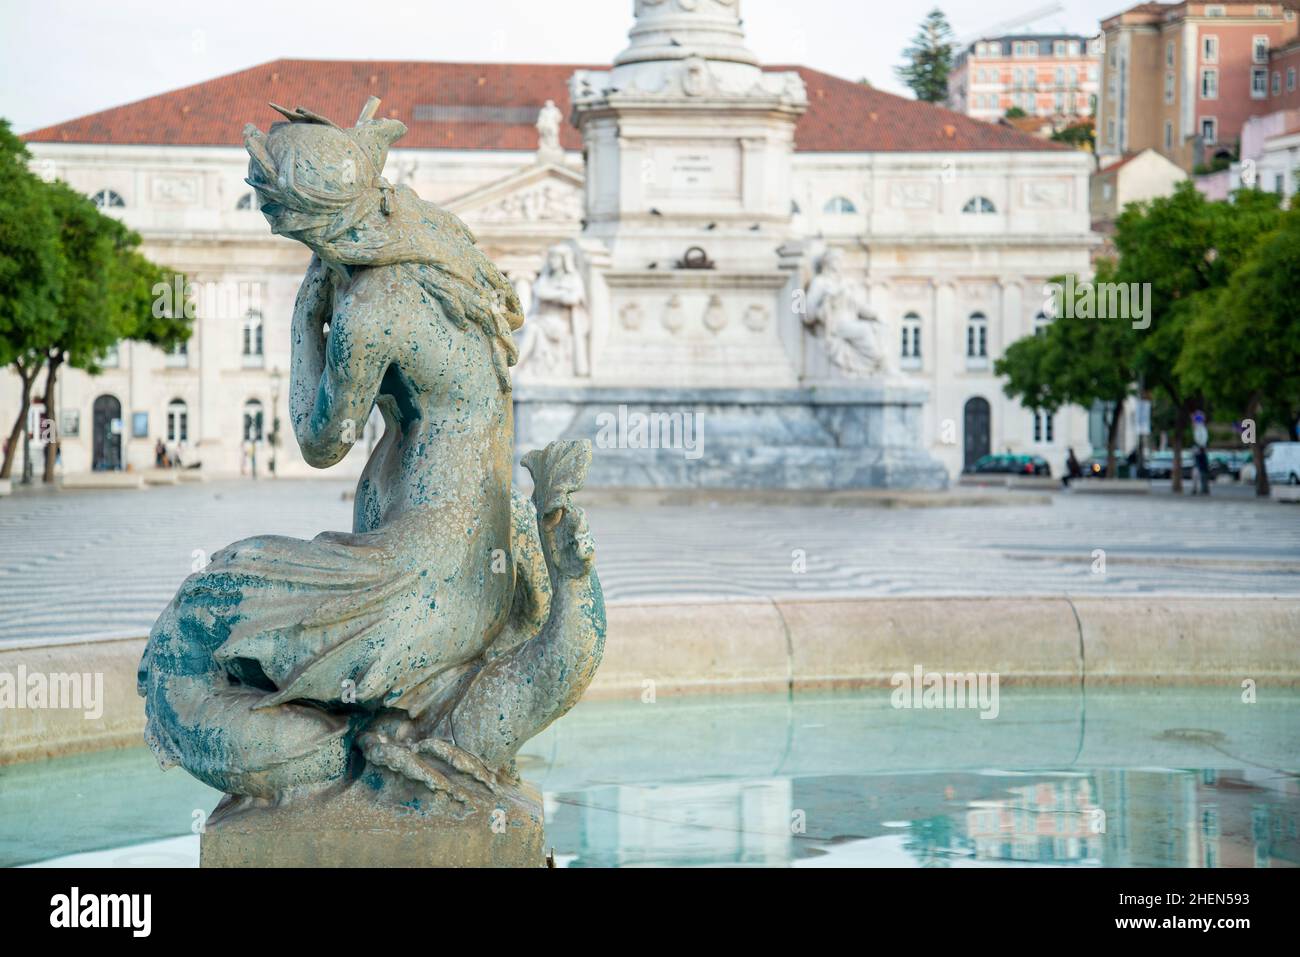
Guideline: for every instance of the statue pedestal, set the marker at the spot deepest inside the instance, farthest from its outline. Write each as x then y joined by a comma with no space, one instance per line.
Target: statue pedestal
354,829
823,438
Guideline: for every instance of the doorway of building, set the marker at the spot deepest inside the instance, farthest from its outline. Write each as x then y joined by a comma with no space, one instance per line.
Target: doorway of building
977,431
108,439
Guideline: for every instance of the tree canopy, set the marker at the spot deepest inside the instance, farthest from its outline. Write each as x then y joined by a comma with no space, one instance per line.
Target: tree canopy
73,284
929,59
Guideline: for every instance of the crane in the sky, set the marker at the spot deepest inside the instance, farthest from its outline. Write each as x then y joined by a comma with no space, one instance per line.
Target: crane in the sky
1007,26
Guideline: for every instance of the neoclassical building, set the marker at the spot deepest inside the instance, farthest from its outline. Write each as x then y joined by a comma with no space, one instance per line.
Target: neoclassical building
953,224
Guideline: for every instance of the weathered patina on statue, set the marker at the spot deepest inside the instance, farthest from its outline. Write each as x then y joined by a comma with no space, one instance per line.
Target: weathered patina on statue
402,665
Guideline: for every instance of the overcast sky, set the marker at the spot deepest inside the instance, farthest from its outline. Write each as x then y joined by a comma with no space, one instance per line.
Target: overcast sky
60,59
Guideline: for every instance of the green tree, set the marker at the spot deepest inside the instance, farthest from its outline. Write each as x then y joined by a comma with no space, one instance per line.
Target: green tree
1243,343
1014,113
1081,135
1185,247
107,296
929,59
30,277
1075,361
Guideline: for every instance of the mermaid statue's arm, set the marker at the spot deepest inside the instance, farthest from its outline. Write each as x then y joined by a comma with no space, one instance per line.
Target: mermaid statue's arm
333,380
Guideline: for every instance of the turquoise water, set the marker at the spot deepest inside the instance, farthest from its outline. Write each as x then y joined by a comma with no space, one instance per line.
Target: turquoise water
1130,778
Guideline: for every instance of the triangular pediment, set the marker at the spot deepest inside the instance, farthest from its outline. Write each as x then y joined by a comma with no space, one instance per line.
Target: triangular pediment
544,193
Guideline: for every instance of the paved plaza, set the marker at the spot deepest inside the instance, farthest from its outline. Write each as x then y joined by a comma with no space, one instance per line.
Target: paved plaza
91,563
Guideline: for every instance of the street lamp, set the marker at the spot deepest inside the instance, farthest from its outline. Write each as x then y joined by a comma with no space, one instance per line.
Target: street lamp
275,415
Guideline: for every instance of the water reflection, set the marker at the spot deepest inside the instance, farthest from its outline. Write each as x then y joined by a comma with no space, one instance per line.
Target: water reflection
1108,818
836,779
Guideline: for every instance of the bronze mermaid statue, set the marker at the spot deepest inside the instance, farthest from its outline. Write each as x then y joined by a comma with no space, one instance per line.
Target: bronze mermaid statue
458,618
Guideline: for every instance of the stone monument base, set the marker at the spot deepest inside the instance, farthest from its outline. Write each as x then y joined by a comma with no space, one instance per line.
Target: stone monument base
356,829
837,437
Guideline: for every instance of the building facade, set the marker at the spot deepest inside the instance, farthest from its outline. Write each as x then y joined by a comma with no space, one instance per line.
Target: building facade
954,225
1183,78
1046,75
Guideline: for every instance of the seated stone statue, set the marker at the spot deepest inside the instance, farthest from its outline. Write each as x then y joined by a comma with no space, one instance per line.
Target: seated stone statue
458,618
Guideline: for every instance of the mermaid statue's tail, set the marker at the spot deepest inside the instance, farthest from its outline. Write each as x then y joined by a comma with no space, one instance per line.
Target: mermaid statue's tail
517,694
201,719
210,686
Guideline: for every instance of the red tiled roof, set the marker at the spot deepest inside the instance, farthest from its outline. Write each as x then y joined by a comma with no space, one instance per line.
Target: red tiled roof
493,106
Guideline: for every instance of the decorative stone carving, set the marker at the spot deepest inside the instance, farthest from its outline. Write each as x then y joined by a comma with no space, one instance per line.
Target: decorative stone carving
549,119
362,695
1045,194
632,316
696,78
674,316
912,196
715,315
756,318
176,190
545,203
838,314
557,338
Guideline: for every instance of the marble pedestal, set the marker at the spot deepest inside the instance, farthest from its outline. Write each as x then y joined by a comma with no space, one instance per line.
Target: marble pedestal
354,829
837,437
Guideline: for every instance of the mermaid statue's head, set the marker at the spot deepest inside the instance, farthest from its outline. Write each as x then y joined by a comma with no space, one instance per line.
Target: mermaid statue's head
316,180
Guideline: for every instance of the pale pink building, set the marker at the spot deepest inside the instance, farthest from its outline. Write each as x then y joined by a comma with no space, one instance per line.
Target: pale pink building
1052,75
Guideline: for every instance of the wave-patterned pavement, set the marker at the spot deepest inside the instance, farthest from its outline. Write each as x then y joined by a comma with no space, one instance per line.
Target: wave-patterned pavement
107,562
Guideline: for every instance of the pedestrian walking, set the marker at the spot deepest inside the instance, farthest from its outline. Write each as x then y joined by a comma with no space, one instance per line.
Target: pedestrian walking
1073,469
1201,460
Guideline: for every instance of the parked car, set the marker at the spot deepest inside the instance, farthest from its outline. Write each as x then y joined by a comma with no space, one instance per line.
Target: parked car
1228,462
1125,465
1006,464
1282,462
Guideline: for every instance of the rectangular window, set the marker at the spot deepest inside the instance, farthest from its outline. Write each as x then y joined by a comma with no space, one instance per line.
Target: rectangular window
1209,84
1169,87
911,351
1209,130
1260,49
1277,82
1290,79
1215,10
1169,136
1044,428
1169,53
1258,83
1210,48
179,356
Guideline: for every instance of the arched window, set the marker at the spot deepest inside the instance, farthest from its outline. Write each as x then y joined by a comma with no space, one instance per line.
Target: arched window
979,205
839,206
178,421
252,421
252,338
246,202
977,339
911,346
107,198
